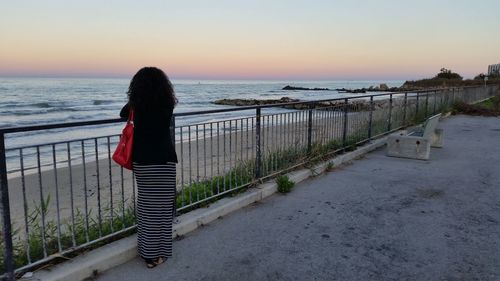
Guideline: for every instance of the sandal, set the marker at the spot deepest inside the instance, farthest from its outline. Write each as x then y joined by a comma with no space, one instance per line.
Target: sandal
150,263
160,260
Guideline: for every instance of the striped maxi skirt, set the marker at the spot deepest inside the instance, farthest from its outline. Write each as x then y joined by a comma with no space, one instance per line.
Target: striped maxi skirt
155,209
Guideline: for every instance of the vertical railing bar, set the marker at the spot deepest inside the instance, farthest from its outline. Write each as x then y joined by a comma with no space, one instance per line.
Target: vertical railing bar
269,146
182,157
25,206
278,146
85,192
6,220
70,172
326,125
309,129
205,159
426,104
218,158
224,164
435,101
197,159
389,125
110,185
99,211
283,139
417,106
257,143
241,151
56,183
211,152
122,185
319,125
405,102
42,201
295,129
370,122
248,142
235,149
287,131
252,147
272,158
230,154
190,169
344,134
305,121
263,143
331,124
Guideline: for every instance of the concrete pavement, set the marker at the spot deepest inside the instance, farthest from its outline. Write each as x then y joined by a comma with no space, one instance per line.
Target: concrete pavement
380,218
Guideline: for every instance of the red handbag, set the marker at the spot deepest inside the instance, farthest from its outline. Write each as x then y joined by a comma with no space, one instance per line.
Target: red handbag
123,152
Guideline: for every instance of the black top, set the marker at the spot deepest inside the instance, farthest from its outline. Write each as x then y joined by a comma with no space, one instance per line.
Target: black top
152,140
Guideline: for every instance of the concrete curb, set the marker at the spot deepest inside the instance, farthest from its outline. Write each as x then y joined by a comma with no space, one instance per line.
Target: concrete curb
123,250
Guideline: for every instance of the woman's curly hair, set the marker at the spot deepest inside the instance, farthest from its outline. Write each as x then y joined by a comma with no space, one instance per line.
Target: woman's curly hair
150,88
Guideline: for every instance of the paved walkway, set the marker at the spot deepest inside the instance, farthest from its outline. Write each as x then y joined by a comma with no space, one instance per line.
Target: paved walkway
379,218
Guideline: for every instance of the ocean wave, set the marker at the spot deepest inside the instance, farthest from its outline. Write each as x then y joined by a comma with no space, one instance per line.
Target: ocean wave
37,112
42,105
100,102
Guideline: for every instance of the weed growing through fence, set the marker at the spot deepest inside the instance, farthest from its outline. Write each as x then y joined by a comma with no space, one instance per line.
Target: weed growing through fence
208,190
46,235
285,185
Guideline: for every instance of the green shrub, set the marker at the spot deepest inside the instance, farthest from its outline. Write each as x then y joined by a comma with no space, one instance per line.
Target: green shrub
285,185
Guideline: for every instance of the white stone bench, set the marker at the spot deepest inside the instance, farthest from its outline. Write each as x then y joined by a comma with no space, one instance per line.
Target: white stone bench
416,142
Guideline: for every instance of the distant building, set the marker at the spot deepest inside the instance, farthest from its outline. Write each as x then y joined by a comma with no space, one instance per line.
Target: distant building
494,69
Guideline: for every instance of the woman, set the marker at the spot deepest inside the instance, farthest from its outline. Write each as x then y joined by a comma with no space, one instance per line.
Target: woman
151,97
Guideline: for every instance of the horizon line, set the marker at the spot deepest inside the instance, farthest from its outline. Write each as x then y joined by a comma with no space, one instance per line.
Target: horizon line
171,77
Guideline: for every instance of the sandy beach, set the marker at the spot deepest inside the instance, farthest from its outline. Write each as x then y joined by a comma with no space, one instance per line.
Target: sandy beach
104,185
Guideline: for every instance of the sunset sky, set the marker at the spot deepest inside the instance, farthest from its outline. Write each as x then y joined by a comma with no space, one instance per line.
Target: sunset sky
249,39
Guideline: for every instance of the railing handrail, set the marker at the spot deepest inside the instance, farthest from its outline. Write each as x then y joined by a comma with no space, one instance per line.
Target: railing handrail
239,108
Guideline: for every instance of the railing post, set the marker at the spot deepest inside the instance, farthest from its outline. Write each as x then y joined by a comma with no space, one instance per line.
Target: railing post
416,107
5,209
441,98
344,135
404,108
389,125
309,128
258,154
370,122
435,102
427,104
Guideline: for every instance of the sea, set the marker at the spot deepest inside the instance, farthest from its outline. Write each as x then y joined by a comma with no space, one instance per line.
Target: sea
39,101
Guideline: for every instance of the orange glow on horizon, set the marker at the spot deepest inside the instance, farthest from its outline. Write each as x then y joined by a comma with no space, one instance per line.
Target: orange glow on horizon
245,40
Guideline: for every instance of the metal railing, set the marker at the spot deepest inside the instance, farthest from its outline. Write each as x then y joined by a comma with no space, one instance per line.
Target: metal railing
60,197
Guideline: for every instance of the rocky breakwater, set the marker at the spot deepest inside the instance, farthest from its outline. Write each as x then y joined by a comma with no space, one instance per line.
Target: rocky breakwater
250,102
380,88
359,105
292,88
